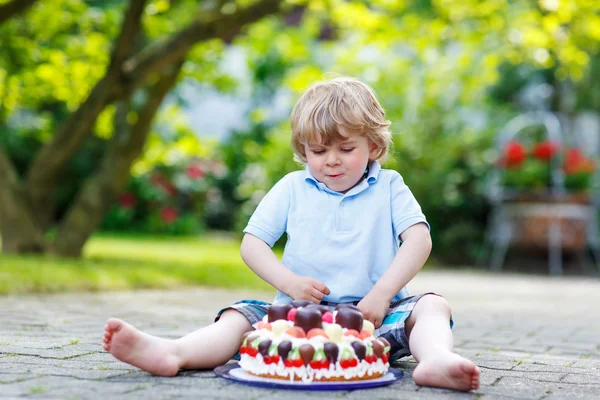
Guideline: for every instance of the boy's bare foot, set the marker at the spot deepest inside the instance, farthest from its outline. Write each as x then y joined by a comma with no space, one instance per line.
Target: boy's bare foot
147,352
449,371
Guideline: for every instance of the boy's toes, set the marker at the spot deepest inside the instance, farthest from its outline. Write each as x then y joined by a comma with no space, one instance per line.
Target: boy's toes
113,325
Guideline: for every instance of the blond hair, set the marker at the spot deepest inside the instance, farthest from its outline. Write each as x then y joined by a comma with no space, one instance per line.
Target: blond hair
343,101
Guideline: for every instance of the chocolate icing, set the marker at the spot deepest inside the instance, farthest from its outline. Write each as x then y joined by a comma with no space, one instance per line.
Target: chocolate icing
308,318
279,311
349,318
284,349
306,352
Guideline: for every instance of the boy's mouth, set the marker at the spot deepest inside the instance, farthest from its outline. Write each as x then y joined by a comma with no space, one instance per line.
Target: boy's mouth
335,176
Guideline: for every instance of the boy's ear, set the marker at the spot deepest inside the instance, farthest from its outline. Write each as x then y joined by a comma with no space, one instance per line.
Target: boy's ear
373,151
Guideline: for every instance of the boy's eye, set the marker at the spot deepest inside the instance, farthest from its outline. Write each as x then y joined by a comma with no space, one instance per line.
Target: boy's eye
348,150
318,151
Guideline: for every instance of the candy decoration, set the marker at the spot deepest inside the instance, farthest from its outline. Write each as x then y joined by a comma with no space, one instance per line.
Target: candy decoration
316,332
368,326
346,305
284,349
263,325
307,352
327,318
292,314
378,347
349,318
294,360
360,350
334,331
352,332
278,311
321,307
263,347
300,303
308,318
364,334
385,343
296,332
279,326
319,360
331,351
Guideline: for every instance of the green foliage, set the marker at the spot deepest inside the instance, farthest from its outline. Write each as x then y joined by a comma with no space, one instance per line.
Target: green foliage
532,175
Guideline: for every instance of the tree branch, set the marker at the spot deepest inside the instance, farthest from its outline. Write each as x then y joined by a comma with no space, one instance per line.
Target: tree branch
101,190
14,8
172,50
46,166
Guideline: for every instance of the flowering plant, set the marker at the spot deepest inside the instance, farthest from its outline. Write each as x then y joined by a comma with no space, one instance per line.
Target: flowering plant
170,199
531,168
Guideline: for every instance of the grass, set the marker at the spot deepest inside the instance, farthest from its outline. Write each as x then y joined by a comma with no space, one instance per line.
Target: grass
130,262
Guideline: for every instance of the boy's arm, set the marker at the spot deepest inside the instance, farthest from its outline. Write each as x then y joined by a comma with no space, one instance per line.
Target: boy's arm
416,246
261,259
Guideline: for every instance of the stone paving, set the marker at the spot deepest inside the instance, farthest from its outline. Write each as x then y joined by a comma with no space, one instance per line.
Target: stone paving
533,338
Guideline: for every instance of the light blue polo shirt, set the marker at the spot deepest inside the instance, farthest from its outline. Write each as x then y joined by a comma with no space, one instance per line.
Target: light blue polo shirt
345,240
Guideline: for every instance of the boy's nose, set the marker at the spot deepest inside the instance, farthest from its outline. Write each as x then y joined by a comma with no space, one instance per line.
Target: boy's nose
332,158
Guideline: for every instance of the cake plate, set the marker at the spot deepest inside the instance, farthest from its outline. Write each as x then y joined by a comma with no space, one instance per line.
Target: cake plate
234,373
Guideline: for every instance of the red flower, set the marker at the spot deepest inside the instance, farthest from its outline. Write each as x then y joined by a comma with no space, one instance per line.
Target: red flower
514,154
194,171
160,181
576,162
545,150
169,214
127,200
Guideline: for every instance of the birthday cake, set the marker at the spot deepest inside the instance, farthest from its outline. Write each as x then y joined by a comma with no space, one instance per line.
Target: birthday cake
309,342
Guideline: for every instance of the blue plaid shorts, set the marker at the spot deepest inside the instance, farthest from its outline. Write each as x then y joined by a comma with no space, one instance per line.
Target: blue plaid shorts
392,328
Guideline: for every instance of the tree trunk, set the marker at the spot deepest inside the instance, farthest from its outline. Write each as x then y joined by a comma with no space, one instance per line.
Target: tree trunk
19,232
100,191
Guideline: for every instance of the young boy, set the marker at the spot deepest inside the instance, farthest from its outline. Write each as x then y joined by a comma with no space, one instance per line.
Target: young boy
345,219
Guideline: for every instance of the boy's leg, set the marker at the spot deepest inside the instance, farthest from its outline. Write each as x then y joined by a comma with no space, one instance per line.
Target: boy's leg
431,344
205,348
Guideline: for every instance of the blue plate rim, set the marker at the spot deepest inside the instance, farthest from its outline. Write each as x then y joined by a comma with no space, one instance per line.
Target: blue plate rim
224,372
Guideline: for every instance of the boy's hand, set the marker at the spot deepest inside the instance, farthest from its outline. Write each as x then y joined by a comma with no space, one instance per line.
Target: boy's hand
374,308
307,288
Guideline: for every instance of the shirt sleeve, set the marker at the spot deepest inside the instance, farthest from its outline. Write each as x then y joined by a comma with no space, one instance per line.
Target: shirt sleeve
269,220
406,211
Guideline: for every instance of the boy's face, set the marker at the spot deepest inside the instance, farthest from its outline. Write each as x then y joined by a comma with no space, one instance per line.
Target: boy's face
340,165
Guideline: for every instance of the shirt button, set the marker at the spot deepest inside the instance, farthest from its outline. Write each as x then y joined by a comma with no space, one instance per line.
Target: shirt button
341,204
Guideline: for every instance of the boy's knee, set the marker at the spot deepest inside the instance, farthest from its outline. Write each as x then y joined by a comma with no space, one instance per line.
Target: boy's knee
235,317
432,303
429,304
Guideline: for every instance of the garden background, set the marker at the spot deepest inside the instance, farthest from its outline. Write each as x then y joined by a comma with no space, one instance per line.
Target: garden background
137,137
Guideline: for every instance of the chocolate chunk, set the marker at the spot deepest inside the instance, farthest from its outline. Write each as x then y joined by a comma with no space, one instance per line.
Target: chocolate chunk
284,349
279,311
308,318
384,341
263,347
300,303
349,318
359,349
331,351
321,307
307,352
377,347
346,305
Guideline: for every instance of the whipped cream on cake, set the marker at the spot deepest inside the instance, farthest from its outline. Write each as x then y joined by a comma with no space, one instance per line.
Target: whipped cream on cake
305,341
